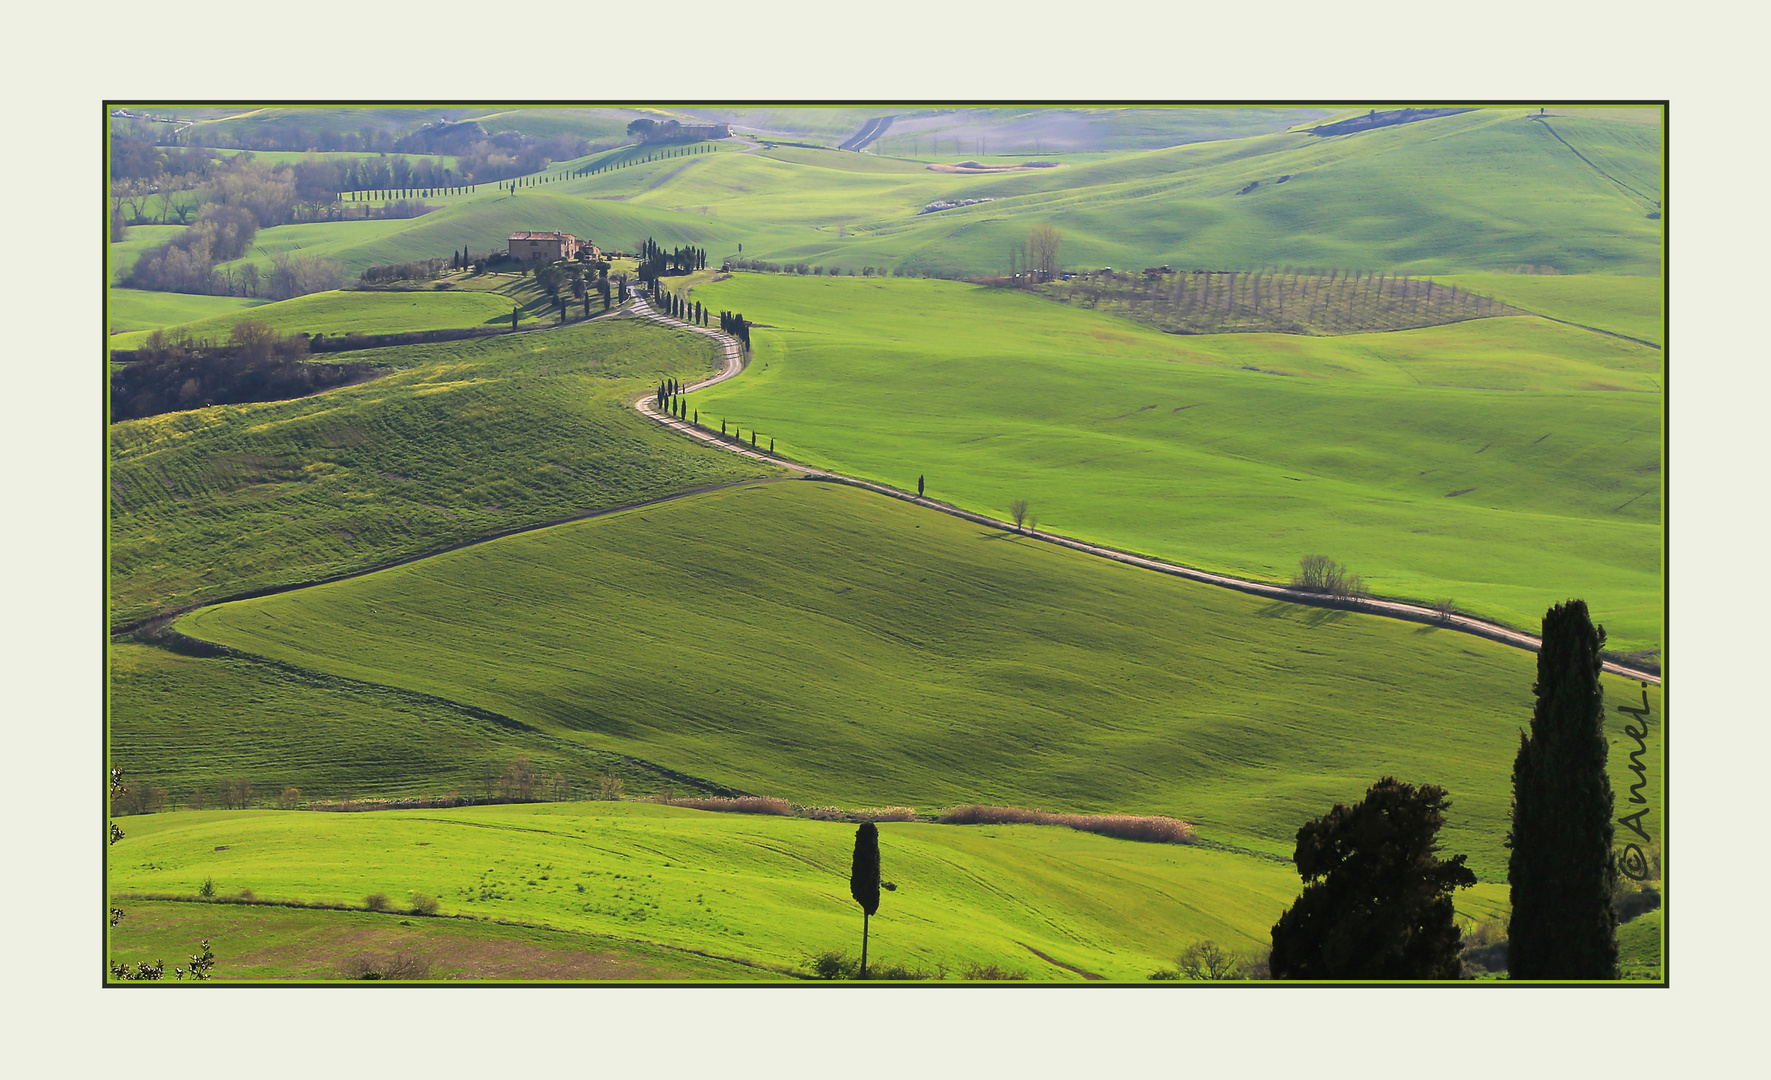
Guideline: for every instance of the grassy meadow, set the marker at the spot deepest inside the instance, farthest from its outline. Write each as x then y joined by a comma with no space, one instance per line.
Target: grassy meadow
339,312
1505,463
771,892
821,644
1631,306
134,312
187,725
459,440
271,943
120,255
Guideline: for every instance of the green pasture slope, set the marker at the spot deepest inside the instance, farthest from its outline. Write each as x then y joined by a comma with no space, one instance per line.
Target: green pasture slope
769,891
1631,306
341,312
186,724
1485,191
1505,463
120,256
460,440
134,312
275,943
834,647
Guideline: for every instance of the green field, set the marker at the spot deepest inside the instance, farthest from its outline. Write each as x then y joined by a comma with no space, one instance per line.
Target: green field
1505,463
120,256
1484,191
817,643
295,157
133,312
769,891
1631,306
341,312
186,725
461,440
485,554
265,943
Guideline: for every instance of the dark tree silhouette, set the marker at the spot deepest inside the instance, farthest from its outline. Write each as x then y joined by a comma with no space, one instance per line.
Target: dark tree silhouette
919,487
1561,867
1377,903
864,880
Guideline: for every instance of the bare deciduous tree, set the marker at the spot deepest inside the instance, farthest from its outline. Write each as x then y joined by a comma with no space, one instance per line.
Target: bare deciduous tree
1043,242
1206,961
1018,510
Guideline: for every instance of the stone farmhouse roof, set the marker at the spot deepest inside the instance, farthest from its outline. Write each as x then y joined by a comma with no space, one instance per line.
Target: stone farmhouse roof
541,236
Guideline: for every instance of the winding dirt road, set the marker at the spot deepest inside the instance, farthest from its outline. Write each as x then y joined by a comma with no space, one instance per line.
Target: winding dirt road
733,358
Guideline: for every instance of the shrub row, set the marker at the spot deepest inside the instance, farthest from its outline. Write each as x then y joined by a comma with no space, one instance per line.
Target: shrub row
1153,830
867,813
744,804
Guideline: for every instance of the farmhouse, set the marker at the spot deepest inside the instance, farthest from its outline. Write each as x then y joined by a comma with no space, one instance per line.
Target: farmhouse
544,246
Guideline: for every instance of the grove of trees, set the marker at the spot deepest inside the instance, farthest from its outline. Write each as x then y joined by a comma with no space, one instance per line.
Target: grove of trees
255,364
1272,301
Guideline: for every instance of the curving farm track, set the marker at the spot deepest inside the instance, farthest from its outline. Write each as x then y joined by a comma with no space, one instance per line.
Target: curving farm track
733,358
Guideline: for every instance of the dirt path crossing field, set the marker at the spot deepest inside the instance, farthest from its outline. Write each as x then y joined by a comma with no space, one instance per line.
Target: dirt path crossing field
1395,609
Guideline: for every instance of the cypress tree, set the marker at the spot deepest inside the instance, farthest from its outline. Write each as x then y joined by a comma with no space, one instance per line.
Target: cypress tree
864,880
1561,867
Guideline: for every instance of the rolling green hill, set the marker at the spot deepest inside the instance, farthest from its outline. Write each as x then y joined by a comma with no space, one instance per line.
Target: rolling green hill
1484,191
1631,306
460,440
769,891
134,312
277,943
338,312
830,646
1505,463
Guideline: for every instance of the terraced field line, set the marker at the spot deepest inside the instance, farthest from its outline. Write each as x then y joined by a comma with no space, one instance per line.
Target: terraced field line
733,357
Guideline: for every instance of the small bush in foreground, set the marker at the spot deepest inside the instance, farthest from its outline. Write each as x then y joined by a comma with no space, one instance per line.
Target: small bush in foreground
1206,961
423,905
992,973
840,965
201,966
377,902
369,967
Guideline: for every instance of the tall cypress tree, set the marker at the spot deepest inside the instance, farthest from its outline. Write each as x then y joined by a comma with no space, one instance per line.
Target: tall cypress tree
864,880
1561,866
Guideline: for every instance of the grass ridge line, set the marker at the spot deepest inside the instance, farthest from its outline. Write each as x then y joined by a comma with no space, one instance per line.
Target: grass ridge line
173,641
155,624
